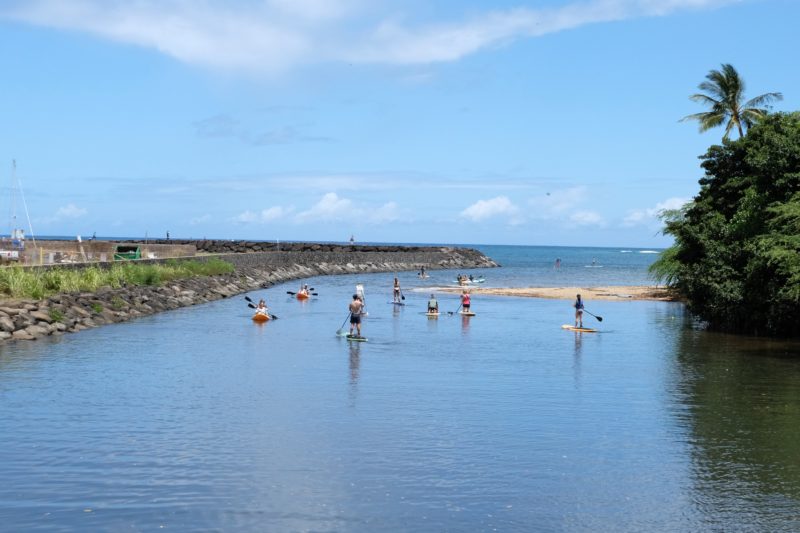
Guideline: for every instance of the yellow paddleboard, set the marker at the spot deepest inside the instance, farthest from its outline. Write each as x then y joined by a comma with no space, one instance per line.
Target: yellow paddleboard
581,330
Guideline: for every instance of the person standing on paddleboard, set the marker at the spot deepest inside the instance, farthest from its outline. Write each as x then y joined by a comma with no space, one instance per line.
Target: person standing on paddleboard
355,315
396,290
465,301
578,305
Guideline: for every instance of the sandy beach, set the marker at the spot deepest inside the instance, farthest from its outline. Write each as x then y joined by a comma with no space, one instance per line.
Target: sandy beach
618,293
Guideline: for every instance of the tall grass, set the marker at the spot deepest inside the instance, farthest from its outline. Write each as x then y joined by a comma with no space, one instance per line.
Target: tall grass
17,282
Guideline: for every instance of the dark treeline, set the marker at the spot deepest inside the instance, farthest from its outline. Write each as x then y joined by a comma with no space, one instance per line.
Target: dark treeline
736,256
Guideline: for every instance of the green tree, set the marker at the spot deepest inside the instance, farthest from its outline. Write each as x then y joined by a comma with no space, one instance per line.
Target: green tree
736,257
724,94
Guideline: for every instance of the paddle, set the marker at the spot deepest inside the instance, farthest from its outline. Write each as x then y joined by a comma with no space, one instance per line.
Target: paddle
341,329
294,293
253,306
402,296
456,311
599,318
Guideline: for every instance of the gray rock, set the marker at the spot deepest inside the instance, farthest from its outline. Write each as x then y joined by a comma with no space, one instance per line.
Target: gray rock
22,335
41,316
6,324
37,331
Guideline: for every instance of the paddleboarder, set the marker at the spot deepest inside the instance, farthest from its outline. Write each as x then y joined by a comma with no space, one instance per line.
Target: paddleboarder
578,305
465,301
355,315
396,290
433,305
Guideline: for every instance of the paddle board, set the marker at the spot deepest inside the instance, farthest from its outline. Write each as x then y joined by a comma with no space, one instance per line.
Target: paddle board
396,303
355,338
432,315
466,313
580,330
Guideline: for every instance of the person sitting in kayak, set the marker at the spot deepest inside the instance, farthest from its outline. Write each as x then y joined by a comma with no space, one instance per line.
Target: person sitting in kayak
433,305
465,301
355,315
303,291
578,305
262,308
396,290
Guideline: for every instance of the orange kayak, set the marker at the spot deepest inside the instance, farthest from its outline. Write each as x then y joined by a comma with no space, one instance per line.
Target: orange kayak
259,317
302,296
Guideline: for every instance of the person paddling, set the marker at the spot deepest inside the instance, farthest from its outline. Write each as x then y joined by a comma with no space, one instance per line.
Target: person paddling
578,305
465,301
433,305
396,290
261,308
355,315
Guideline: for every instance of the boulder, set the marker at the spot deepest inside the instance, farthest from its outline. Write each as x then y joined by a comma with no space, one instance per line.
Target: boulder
6,324
41,316
22,335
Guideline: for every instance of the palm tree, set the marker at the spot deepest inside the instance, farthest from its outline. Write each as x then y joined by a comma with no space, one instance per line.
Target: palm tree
725,94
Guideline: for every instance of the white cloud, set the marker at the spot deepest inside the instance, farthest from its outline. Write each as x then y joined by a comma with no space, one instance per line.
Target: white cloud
266,215
272,35
650,215
332,208
494,207
587,218
199,220
70,211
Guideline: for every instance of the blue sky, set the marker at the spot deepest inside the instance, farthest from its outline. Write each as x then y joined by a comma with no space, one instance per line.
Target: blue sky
549,122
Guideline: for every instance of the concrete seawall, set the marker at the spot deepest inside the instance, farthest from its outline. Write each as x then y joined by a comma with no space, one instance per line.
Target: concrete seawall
32,319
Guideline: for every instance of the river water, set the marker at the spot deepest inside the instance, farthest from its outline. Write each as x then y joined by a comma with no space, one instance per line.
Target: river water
200,420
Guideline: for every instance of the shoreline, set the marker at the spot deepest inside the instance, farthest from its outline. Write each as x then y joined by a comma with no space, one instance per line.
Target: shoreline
619,293
23,319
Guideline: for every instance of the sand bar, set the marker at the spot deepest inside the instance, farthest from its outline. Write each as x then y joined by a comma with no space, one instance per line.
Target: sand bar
618,293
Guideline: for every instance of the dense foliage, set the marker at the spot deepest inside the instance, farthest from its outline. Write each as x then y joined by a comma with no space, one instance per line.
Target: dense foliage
19,282
736,256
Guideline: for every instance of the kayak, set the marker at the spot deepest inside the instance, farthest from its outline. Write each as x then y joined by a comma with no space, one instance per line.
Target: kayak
355,338
260,317
469,281
302,296
466,313
580,330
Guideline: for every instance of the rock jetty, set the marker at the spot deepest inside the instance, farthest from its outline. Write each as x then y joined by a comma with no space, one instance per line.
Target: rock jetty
72,312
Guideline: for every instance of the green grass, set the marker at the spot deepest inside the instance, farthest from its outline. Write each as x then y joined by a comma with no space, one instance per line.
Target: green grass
17,282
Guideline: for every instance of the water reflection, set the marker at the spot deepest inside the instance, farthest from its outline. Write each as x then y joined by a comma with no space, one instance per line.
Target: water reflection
355,368
465,324
740,399
576,359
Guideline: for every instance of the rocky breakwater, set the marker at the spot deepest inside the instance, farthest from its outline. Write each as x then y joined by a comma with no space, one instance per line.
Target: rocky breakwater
72,312
32,319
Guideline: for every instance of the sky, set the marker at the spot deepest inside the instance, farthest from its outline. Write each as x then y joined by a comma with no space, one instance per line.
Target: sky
538,122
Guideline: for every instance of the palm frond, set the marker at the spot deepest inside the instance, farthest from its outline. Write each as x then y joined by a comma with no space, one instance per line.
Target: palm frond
704,99
764,99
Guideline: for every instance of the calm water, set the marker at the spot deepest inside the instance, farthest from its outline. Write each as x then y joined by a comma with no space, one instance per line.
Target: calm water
199,420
